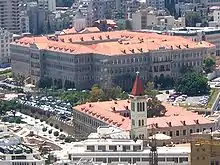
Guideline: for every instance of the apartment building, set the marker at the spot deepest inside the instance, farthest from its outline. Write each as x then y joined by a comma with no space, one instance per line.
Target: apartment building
209,34
5,38
177,122
10,15
106,58
205,149
149,19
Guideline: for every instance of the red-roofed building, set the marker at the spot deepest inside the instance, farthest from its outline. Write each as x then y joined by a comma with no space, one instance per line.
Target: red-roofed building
105,58
177,123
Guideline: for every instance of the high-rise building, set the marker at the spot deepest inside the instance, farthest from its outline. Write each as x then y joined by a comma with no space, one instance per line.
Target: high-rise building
6,39
10,15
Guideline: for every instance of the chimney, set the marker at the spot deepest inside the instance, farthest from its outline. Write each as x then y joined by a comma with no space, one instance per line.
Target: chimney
171,47
124,51
115,102
132,50
126,107
100,37
108,37
70,39
93,38
90,105
113,108
62,40
141,50
169,124
187,46
156,125
196,121
123,119
183,122
128,101
81,38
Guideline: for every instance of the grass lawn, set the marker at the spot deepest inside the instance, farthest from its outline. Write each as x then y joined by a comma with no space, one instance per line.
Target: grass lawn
213,95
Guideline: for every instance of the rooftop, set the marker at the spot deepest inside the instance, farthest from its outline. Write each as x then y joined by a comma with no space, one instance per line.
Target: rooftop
119,42
174,117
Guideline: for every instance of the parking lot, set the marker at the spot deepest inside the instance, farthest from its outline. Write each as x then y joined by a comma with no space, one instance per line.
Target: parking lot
193,101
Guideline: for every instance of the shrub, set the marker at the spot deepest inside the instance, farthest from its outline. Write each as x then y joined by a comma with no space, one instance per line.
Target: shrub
56,133
69,139
62,136
44,129
50,131
56,126
51,124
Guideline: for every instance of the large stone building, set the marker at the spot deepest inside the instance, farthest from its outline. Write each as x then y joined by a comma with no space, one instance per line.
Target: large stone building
10,15
106,58
131,115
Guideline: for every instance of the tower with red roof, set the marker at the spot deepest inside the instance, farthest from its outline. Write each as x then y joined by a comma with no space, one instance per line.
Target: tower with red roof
138,110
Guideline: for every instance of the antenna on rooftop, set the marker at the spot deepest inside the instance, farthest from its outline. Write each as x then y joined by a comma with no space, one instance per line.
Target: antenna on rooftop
153,149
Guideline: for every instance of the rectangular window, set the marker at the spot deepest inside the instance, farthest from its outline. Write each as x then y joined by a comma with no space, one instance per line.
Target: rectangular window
171,133
127,160
136,160
102,148
113,148
191,131
137,148
110,160
197,130
101,160
126,148
184,132
90,148
133,122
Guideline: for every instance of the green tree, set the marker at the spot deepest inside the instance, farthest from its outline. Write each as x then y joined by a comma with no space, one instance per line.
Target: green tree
209,64
96,93
192,17
155,108
192,83
45,82
56,133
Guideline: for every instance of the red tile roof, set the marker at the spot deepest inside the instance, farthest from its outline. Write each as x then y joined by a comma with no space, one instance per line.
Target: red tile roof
137,89
177,116
113,43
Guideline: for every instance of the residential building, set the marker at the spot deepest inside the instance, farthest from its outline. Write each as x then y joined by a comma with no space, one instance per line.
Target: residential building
10,15
6,38
216,15
157,4
24,20
106,9
182,8
106,57
197,34
133,6
149,19
205,150
177,122
209,34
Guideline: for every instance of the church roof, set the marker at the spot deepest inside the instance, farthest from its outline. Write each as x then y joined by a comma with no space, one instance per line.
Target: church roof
138,89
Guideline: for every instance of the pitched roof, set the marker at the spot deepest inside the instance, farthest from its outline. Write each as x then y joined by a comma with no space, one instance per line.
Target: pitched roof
137,89
115,43
175,116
